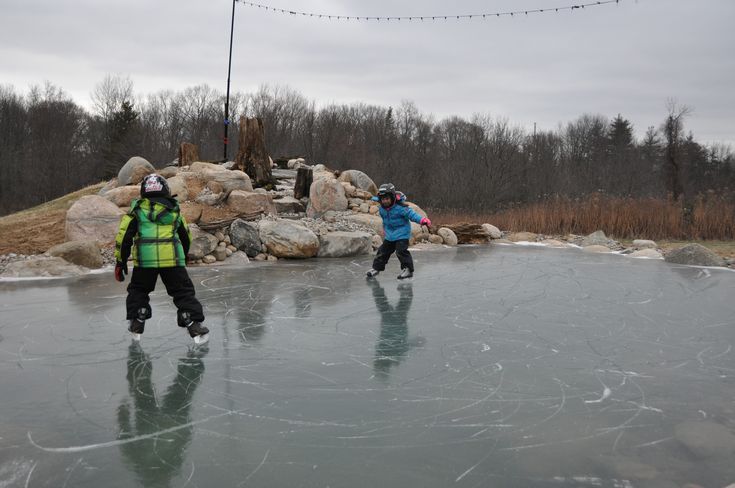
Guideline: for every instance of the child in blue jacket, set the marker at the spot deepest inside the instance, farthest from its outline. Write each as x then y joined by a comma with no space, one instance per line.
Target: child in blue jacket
397,217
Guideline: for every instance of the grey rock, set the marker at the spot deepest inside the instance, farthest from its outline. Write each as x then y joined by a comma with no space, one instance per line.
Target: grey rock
597,238
288,205
135,169
492,231
646,253
343,244
448,236
694,255
245,237
202,243
82,253
286,239
92,217
42,267
359,180
644,244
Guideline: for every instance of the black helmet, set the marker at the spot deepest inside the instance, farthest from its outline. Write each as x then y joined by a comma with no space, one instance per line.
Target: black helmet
154,186
387,189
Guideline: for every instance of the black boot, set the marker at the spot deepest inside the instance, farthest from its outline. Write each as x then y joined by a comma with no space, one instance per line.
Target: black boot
196,330
137,325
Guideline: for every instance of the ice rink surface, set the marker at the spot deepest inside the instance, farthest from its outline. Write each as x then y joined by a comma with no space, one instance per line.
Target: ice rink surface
494,366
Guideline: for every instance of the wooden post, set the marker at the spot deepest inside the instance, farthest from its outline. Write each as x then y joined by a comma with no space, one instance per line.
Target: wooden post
304,178
252,156
188,153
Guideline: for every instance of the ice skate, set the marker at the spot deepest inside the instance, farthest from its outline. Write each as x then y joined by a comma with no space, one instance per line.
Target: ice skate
137,325
372,273
405,274
197,331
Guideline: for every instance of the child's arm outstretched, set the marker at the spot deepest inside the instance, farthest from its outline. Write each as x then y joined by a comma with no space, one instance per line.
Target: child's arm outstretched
416,217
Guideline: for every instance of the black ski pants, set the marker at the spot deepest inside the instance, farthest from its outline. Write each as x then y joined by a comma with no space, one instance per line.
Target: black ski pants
178,286
389,247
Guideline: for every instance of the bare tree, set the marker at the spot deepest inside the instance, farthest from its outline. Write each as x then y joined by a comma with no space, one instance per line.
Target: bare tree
673,130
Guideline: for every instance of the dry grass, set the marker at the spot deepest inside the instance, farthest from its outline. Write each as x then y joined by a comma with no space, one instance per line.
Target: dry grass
712,218
35,230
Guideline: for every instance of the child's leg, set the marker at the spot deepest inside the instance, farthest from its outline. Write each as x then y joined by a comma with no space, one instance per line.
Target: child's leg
403,255
181,289
142,283
384,252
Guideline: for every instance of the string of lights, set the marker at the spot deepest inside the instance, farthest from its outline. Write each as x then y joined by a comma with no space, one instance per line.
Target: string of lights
424,18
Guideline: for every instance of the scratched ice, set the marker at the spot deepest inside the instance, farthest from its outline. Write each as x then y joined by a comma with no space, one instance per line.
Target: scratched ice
497,366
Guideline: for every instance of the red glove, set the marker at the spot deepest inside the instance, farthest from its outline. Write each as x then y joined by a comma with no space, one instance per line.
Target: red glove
121,269
425,221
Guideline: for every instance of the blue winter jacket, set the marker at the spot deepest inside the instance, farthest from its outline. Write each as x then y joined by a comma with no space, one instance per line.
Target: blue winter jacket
397,221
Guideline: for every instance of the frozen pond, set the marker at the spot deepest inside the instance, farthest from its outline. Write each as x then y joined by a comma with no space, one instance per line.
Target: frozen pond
496,366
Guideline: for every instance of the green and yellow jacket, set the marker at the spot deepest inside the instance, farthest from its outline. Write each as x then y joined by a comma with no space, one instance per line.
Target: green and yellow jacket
156,232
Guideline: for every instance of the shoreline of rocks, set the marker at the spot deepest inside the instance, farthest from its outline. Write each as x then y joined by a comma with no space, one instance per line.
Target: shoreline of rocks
233,223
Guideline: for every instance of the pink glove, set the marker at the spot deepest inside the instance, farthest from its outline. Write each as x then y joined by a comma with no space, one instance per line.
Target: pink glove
426,222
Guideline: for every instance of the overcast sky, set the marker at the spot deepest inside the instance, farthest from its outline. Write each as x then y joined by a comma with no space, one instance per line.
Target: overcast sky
545,68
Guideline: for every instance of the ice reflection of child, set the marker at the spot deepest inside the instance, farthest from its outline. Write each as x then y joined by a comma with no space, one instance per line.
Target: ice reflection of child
393,343
157,461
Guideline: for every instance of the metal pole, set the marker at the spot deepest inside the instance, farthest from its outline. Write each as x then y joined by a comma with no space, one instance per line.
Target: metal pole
229,70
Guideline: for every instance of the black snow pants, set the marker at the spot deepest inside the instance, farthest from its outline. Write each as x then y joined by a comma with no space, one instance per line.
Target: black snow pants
389,247
178,286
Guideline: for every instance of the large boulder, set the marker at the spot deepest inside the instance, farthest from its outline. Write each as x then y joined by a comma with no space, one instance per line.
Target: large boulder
82,253
202,243
133,172
287,239
325,195
122,196
694,255
359,180
448,236
178,188
373,222
42,267
229,179
249,203
597,238
288,205
492,231
343,244
109,186
245,237
93,217
644,244
169,171
191,211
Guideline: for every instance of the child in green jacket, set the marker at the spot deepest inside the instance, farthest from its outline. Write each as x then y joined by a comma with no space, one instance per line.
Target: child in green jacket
159,238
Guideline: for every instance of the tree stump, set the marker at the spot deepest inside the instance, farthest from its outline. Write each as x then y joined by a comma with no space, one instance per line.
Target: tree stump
252,157
469,233
304,179
188,153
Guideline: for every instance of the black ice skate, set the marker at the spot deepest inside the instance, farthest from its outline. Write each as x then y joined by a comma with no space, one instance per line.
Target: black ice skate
405,274
137,325
197,331
372,273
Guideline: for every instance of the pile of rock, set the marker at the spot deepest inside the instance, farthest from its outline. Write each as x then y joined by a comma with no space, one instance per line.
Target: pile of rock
233,223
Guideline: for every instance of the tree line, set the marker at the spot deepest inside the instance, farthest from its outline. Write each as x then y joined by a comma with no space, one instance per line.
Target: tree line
50,146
